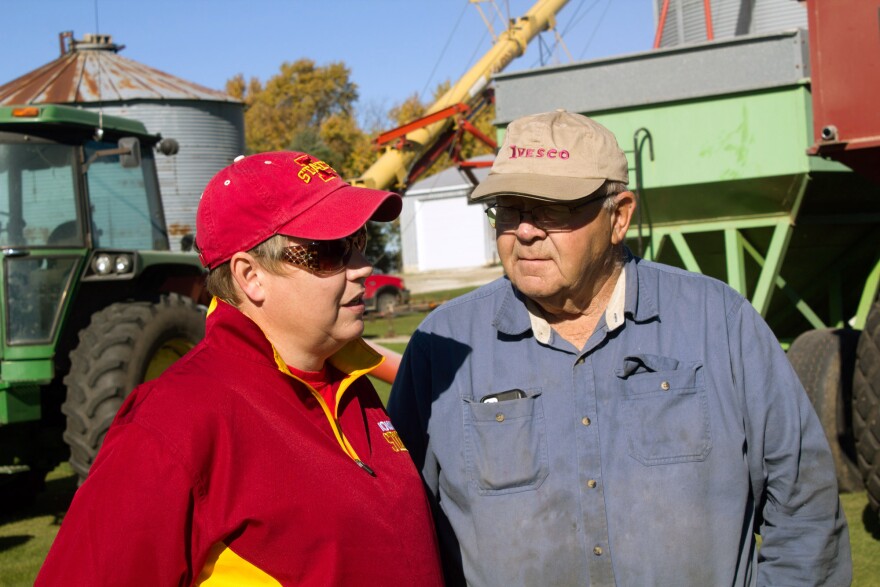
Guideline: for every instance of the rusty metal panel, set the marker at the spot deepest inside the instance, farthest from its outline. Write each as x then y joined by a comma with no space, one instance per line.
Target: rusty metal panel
845,63
95,72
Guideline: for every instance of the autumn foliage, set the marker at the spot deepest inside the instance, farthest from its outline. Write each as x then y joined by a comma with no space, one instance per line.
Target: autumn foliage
312,108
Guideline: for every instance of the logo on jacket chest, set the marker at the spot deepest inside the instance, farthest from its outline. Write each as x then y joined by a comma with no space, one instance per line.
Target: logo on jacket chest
391,436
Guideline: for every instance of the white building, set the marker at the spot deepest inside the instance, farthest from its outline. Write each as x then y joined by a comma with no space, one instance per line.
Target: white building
439,229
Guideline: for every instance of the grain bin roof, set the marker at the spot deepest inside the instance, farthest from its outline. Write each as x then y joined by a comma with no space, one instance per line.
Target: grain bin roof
91,70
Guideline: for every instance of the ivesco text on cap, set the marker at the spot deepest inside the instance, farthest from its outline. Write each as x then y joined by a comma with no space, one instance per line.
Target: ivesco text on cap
537,153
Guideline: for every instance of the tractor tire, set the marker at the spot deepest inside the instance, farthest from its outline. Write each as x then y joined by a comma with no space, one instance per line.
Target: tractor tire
124,345
824,362
866,407
386,303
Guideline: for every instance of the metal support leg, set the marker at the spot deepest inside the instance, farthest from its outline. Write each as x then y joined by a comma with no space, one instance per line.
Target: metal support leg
736,267
772,264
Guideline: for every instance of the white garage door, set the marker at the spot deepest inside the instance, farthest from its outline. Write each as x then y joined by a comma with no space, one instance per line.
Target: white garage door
450,234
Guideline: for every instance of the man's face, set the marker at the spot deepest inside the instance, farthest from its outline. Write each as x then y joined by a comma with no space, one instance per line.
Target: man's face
563,270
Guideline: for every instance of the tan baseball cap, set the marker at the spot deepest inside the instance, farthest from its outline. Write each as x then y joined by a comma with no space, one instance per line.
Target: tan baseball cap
556,156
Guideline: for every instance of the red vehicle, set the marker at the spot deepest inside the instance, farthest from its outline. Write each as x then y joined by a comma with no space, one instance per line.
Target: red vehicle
384,293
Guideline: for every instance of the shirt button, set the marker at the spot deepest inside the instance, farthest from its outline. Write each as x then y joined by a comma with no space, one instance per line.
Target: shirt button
585,421
597,550
499,416
664,386
579,361
591,483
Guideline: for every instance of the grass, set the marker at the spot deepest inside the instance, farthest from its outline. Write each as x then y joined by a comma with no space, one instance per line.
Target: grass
27,534
403,324
439,296
376,326
864,535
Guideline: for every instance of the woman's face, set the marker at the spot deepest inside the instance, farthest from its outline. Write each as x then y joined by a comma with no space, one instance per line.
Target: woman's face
313,314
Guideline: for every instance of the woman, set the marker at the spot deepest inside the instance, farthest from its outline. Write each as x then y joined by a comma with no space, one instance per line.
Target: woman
264,456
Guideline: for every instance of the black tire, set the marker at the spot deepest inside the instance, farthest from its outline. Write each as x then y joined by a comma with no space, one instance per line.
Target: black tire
824,362
866,407
386,303
124,345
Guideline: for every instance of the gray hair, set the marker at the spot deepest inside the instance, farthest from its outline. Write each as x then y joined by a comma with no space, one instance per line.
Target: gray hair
609,189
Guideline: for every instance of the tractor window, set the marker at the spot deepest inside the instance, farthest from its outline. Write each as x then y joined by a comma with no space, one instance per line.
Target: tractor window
35,288
38,195
125,210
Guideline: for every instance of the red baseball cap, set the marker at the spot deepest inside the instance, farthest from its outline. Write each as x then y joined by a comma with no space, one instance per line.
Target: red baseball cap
283,192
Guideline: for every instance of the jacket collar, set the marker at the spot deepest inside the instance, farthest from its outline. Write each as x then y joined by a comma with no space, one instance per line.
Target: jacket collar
228,328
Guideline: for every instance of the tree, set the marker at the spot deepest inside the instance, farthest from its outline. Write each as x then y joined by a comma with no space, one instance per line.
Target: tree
342,135
303,101
311,108
408,110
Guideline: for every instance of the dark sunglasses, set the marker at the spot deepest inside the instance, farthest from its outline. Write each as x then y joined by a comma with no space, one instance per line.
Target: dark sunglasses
325,258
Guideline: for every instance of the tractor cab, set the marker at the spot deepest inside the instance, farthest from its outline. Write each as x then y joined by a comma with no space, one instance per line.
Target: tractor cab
84,254
58,201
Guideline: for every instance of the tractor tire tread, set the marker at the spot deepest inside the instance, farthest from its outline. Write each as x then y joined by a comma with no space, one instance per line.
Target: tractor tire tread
817,358
866,410
110,360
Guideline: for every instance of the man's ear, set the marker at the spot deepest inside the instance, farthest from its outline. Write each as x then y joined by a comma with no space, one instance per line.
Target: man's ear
624,207
247,273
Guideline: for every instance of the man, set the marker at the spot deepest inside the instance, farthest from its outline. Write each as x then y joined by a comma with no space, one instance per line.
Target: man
264,456
592,418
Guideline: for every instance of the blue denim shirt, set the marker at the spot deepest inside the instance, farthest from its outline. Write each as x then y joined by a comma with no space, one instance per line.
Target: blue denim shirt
649,457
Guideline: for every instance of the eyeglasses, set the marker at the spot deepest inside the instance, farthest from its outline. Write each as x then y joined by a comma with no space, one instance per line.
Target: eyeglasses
325,258
555,217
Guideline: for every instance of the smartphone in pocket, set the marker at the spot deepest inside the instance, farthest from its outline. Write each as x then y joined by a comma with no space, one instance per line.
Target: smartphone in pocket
510,394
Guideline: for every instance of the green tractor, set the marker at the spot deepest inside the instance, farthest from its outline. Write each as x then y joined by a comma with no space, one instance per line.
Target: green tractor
93,301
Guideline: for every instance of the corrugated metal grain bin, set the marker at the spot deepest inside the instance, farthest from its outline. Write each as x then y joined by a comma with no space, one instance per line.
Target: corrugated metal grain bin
209,125
685,20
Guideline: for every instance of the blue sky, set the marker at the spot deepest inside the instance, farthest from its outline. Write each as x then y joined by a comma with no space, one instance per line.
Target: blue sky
394,48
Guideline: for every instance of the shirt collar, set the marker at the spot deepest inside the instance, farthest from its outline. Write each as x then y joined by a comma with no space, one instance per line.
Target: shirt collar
614,312
541,329
512,317
634,294
642,290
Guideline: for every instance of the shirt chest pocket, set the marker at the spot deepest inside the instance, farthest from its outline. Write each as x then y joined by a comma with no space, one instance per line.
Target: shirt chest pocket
666,410
505,445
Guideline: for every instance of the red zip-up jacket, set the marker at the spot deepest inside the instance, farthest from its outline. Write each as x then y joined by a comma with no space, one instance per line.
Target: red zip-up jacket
227,470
